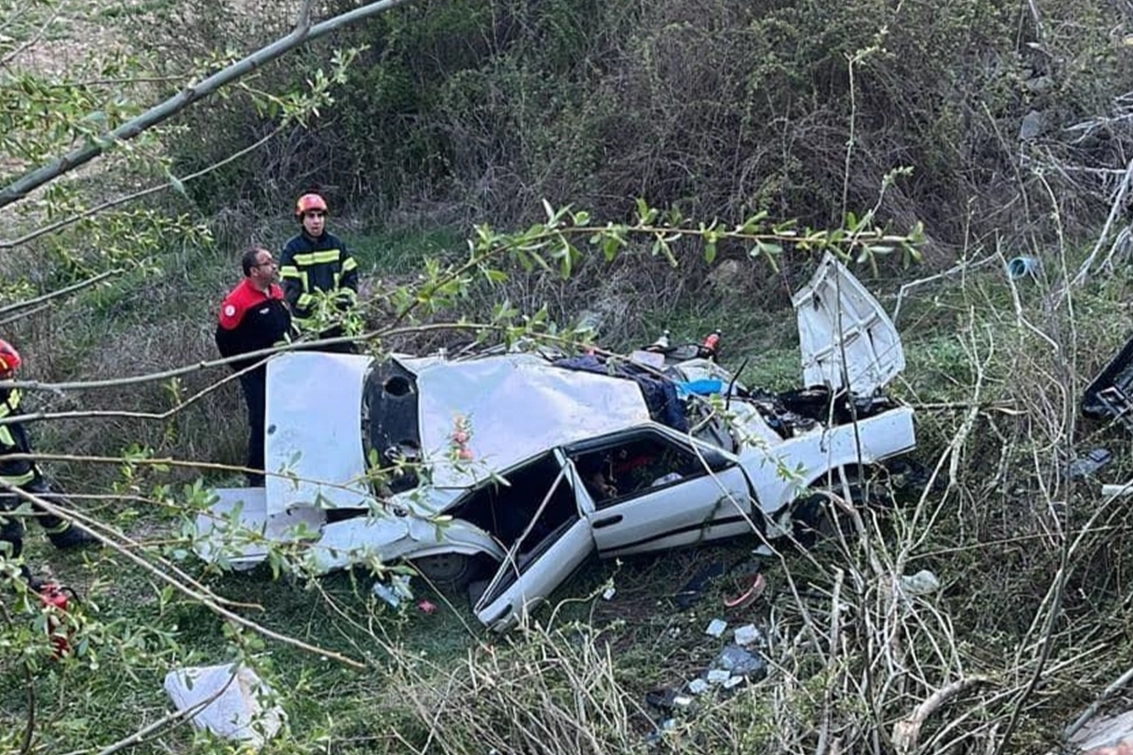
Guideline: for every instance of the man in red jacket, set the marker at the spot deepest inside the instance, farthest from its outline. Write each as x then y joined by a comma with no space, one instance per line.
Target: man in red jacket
254,316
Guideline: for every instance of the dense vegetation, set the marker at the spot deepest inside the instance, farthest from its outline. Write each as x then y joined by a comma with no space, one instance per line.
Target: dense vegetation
1002,128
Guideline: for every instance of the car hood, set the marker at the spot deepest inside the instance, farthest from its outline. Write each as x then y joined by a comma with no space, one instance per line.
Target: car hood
846,338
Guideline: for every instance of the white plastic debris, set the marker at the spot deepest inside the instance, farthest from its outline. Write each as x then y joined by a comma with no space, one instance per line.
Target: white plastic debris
921,583
698,686
733,681
395,591
609,592
716,627
718,676
747,634
238,709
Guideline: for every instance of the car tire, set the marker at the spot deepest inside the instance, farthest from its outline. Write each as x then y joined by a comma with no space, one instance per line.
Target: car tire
449,571
814,517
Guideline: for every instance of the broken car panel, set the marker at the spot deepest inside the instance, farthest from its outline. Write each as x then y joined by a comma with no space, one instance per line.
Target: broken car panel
513,468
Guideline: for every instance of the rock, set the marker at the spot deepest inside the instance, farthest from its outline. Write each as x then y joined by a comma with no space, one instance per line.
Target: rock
921,583
1032,126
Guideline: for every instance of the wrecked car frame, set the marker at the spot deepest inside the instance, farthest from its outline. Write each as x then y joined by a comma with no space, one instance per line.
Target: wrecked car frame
517,468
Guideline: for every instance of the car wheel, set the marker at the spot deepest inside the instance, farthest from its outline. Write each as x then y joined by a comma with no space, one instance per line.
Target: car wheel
449,570
815,517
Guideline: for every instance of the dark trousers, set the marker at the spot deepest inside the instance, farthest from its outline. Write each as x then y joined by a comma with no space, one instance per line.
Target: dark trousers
12,527
254,385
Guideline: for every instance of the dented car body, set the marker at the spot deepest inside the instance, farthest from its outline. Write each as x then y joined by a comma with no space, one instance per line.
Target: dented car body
515,468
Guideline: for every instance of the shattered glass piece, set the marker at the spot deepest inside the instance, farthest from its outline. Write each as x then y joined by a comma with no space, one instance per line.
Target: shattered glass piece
740,662
1090,464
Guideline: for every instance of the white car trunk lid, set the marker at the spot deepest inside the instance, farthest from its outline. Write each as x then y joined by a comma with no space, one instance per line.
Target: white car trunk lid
846,338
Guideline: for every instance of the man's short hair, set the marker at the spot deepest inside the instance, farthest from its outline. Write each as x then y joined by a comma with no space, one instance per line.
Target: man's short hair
249,261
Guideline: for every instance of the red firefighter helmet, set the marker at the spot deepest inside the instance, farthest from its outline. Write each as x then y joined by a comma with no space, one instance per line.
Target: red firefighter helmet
9,358
309,202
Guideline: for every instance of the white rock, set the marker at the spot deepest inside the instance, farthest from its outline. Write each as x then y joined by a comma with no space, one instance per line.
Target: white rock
238,712
921,583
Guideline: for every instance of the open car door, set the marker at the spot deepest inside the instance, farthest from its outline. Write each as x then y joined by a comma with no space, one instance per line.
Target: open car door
553,544
660,491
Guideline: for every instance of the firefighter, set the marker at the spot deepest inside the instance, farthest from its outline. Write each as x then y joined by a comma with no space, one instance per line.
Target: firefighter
24,474
317,262
254,316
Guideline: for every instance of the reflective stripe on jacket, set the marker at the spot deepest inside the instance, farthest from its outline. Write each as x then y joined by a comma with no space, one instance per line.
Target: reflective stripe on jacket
308,266
14,440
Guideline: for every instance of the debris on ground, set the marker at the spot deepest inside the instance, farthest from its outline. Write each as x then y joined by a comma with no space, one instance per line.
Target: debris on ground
1090,464
747,635
395,591
741,662
749,595
1105,734
716,628
694,589
230,699
923,582
734,665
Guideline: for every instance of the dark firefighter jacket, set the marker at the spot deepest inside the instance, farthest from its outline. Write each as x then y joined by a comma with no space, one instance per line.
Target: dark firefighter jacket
14,440
251,320
310,265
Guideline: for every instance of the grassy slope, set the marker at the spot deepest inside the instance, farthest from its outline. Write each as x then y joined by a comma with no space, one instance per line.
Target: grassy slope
992,538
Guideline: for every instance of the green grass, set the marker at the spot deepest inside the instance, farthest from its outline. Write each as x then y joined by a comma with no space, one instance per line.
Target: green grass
986,531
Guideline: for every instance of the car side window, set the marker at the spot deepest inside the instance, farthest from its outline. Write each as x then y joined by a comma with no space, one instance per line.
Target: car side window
633,467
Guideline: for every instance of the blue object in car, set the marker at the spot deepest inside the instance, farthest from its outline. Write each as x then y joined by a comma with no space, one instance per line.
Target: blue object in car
702,387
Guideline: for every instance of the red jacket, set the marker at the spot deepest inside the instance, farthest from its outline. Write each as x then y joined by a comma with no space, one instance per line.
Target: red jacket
251,320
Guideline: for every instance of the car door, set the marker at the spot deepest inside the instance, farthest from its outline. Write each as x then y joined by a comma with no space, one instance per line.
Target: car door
555,543
670,491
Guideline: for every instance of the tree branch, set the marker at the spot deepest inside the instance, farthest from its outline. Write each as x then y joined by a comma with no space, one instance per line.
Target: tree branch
177,579
72,219
175,104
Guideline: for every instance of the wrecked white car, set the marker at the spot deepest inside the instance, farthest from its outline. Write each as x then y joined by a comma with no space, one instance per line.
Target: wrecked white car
514,468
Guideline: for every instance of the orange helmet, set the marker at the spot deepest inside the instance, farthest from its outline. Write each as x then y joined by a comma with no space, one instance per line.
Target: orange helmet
309,202
9,357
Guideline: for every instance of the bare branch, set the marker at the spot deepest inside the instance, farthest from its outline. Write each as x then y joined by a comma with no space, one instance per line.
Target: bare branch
61,292
60,224
907,731
181,582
